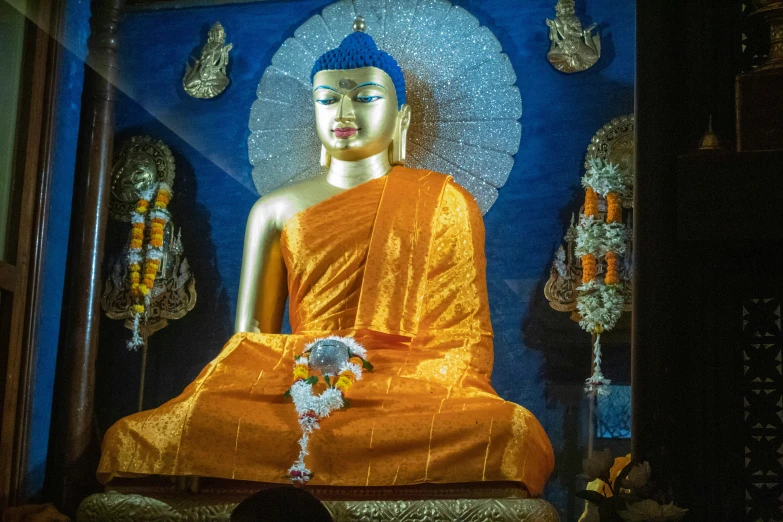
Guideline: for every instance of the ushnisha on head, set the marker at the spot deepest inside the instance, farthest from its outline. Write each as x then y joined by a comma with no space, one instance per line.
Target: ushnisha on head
217,33
359,97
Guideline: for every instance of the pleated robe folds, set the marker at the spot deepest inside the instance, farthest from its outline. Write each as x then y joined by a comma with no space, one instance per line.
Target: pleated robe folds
398,263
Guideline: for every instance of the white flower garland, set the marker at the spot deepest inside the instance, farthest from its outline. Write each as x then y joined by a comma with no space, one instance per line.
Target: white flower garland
597,383
601,305
593,236
605,177
312,408
152,220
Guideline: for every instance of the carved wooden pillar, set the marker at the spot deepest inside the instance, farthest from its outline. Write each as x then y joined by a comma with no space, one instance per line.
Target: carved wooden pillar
74,456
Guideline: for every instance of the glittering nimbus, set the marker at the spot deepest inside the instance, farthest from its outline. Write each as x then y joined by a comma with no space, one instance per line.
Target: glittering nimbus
460,87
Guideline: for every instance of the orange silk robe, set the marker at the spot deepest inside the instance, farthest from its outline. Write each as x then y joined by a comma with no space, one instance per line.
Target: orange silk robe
398,263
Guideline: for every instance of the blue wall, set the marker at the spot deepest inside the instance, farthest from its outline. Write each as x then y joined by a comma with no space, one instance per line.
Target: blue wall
214,190
76,29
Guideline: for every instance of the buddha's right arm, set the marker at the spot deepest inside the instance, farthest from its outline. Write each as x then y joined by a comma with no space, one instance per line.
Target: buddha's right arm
263,287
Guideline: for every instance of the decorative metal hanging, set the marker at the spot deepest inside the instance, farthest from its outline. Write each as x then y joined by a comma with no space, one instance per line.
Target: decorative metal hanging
573,49
207,78
613,143
143,163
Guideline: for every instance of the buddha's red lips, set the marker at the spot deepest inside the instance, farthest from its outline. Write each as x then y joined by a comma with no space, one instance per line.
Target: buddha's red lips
345,132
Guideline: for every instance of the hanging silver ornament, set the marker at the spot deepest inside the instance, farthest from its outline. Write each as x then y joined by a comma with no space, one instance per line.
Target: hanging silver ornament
328,356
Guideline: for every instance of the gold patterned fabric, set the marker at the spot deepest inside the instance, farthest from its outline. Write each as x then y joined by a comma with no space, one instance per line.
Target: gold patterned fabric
398,263
114,506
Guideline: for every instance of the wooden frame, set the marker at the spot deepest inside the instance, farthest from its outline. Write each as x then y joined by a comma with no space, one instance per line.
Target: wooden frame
146,5
23,278
72,458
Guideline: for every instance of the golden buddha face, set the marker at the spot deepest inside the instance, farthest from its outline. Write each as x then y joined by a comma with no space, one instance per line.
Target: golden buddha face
355,112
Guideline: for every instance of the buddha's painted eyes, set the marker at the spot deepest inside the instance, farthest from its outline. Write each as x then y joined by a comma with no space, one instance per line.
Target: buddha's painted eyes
326,101
367,99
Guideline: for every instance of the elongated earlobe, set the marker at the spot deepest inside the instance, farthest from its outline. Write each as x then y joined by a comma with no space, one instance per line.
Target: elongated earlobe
397,150
326,158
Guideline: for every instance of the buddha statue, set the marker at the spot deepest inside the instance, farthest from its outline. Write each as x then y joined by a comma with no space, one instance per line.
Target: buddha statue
389,256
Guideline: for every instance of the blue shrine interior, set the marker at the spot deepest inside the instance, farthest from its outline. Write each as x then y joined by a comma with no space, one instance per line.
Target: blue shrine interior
537,351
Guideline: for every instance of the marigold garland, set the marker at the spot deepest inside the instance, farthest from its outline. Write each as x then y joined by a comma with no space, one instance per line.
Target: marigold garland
600,303
311,408
589,268
149,258
591,203
614,209
612,269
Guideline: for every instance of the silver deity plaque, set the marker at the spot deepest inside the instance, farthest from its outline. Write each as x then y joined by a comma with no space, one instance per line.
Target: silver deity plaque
207,78
613,143
573,49
141,164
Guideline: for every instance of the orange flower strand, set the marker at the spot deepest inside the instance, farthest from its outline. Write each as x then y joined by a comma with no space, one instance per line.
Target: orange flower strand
137,237
614,208
612,269
349,375
589,269
591,203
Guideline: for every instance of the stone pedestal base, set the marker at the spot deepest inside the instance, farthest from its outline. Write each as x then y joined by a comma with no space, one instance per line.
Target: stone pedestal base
114,506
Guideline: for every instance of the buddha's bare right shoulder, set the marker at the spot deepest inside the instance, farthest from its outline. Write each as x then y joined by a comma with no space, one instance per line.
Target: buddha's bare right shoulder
277,207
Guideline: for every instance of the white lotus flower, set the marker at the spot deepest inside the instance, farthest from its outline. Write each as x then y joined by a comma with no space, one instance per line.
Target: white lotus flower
590,513
651,511
598,465
638,476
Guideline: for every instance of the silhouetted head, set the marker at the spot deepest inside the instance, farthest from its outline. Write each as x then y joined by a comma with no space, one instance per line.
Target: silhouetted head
282,504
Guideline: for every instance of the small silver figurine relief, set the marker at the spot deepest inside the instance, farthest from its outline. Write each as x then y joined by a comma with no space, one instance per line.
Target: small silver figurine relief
573,49
206,78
